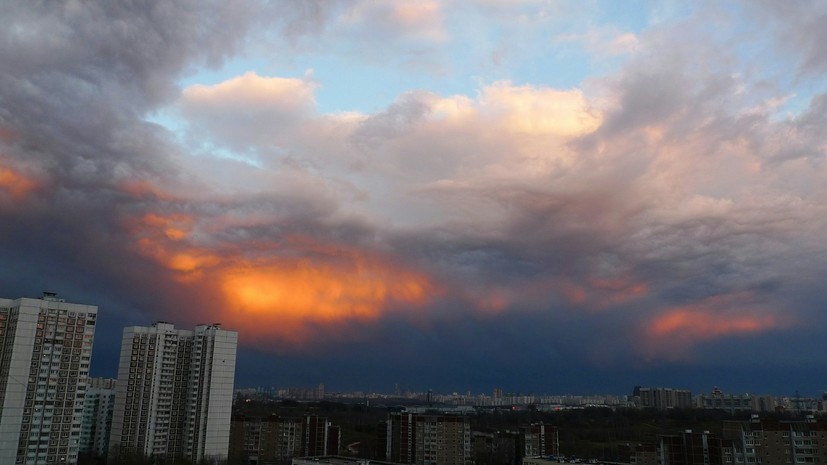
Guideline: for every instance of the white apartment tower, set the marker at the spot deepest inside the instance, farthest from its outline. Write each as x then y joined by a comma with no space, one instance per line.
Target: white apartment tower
45,350
174,392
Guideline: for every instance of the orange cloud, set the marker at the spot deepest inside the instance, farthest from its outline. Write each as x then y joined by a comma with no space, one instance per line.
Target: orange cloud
280,291
293,291
673,333
15,185
706,324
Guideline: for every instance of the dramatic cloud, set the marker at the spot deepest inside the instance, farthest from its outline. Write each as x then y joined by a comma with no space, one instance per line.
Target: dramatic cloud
520,183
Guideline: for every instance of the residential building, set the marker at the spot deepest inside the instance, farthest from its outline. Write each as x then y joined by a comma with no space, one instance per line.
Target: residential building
778,441
498,447
277,440
428,439
97,417
732,403
538,439
45,351
174,392
639,454
691,448
663,398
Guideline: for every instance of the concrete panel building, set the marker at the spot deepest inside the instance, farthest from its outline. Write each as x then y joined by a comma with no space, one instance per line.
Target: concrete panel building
45,351
97,417
772,441
428,439
174,392
538,439
276,440
663,398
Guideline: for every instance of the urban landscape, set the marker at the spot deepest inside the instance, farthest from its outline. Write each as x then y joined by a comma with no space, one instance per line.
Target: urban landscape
413,232
174,402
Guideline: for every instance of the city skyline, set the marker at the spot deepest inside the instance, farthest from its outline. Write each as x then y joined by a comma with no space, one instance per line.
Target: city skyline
534,195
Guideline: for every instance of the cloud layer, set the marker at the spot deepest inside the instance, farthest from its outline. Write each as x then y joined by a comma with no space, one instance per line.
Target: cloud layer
660,215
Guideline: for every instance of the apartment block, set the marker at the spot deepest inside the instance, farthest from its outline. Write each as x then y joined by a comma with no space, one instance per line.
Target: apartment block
663,398
276,440
538,439
45,351
428,439
778,441
174,392
97,417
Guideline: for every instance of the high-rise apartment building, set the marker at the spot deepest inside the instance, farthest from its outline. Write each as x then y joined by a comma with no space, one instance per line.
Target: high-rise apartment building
425,439
663,398
97,417
45,350
174,392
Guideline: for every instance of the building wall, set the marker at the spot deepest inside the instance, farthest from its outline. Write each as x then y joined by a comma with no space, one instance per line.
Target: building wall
152,384
277,440
174,392
216,375
664,398
539,439
97,418
799,441
45,351
424,439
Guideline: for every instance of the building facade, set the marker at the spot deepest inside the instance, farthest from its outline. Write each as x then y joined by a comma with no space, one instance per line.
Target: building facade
539,439
174,392
774,441
276,440
663,398
428,439
45,351
97,417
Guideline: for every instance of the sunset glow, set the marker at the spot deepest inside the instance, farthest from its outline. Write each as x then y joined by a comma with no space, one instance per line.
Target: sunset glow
455,191
14,185
675,331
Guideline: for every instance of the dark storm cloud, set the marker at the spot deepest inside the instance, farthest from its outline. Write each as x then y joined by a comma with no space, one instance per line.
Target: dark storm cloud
76,81
673,220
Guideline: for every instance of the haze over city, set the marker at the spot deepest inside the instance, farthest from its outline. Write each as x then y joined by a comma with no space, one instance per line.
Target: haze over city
538,196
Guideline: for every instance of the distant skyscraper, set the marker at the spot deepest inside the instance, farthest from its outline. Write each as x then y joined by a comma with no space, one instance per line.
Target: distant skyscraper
45,349
97,417
174,392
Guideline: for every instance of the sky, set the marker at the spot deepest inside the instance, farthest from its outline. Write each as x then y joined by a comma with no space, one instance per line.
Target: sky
534,195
